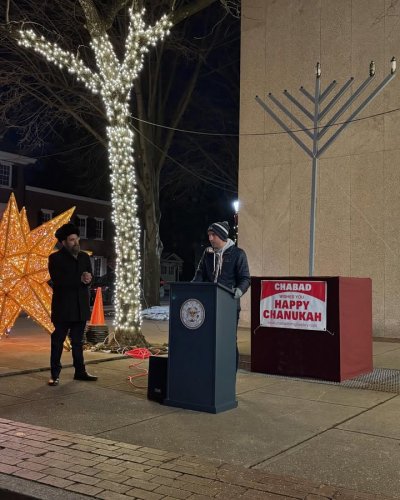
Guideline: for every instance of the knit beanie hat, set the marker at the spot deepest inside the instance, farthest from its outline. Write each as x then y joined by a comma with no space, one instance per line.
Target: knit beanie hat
66,230
221,229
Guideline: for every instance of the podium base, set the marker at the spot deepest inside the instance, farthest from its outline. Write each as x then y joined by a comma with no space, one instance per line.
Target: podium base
197,407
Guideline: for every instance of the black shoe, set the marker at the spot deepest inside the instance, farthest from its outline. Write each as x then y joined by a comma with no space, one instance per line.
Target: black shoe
53,381
85,376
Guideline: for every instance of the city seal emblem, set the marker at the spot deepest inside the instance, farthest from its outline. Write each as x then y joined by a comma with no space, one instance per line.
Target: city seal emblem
192,314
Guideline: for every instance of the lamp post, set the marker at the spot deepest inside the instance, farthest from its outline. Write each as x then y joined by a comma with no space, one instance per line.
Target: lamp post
317,131
235,220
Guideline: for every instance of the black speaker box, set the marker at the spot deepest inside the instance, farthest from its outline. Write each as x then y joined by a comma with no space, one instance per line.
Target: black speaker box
157,382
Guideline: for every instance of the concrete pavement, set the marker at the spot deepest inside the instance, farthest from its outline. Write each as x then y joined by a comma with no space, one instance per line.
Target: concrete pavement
288,438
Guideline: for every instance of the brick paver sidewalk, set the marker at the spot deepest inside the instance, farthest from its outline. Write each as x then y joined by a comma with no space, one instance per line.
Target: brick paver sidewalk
113,470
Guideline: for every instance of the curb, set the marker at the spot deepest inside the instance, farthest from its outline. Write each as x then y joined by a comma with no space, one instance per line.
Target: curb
68,365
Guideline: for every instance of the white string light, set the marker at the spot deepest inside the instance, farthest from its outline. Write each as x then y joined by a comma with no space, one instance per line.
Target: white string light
114,82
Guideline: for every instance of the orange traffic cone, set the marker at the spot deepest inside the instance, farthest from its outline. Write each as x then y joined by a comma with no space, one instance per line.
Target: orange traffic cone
97,317
97,330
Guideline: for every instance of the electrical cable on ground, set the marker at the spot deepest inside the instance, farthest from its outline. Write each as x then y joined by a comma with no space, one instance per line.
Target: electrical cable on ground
139,353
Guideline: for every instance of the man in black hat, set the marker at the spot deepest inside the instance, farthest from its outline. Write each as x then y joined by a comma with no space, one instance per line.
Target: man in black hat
224,263
71,273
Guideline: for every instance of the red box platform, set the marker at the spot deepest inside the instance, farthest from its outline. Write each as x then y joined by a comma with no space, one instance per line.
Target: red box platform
342,352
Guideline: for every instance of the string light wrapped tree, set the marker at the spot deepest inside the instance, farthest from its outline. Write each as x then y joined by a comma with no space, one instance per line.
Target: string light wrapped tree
113,80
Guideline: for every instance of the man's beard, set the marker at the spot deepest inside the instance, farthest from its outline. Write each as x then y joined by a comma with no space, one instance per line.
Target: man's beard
75,250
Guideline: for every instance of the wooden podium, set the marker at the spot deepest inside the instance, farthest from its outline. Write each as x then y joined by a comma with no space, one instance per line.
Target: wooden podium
202,347
342,352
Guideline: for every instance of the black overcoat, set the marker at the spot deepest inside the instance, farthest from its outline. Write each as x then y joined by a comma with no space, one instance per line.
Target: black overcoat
70,300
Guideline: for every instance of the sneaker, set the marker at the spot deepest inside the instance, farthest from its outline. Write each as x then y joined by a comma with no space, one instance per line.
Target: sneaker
85,376
53,381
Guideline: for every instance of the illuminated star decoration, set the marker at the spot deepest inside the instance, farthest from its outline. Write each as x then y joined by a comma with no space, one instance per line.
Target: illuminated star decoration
23,266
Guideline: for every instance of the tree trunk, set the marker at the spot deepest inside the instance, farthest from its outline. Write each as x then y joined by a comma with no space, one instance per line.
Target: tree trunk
152,254
148,173
127,234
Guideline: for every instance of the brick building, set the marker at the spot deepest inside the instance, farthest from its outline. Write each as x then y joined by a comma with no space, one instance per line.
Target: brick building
92,216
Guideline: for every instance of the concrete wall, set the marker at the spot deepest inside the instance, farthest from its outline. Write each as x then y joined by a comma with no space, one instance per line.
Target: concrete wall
358,213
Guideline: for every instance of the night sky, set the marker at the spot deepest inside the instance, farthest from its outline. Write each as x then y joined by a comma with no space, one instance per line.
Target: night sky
196,188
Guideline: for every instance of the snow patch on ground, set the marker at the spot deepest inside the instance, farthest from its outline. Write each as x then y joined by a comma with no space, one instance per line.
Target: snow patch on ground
157,313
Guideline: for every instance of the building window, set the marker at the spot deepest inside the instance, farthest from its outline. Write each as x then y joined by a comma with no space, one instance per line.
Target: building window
5,175
99,228
99,266
81,222
46,215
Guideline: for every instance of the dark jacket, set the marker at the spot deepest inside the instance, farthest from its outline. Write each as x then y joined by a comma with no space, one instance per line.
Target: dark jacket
70,300
235,269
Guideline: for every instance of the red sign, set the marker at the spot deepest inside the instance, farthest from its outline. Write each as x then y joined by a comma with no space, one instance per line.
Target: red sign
293,304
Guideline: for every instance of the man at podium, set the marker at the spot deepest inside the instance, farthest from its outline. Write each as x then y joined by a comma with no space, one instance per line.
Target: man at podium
223,262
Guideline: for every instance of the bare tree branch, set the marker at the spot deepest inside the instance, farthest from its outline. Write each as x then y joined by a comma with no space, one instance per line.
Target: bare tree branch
39,100
115,7
8,12
94,24
190,10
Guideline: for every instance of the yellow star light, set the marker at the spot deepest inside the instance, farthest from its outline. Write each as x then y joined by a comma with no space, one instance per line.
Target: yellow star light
23,266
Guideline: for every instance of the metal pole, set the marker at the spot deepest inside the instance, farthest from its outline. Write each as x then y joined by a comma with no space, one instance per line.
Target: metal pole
312,215
284,126
314,181
360,108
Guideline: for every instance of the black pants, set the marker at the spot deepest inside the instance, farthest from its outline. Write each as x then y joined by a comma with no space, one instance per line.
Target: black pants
237,349
75,330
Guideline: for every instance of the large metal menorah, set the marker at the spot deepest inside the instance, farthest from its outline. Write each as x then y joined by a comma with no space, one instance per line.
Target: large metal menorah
317,131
